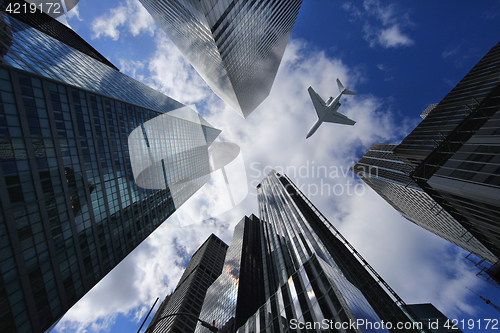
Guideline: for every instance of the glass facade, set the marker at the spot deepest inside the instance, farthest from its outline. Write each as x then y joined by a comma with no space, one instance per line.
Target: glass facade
319,295
432,317
168,152
70,209
313,280
222,296
236,46
455,152
298,232
203,268
456,106
387,175
239,290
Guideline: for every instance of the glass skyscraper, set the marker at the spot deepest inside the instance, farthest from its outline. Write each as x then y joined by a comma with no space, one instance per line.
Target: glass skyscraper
389,176
204,267
70,208
239,290
236,46
305,274
453,155
434,319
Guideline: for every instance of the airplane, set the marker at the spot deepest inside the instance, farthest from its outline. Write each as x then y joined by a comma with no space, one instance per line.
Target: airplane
328,111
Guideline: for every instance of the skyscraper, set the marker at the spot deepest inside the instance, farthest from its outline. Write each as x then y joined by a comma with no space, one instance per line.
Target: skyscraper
204,267
70,209
236,46
389,176
434,319
310,274
239,291
454,154
455,151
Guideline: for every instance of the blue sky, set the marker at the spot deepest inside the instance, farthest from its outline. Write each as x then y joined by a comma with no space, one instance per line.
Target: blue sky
399,56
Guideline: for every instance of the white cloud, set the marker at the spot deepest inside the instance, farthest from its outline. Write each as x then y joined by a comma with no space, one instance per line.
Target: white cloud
419,266
172,74
107,24
131,15
382,24
274,135
353,10
131,67
392,37
140,20
385,14
152,270
74,12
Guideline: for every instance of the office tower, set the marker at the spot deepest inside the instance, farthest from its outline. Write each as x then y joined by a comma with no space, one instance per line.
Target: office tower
455,152
70,209
427,110
434,319
204,267
236,46
389,176
239,290
311,274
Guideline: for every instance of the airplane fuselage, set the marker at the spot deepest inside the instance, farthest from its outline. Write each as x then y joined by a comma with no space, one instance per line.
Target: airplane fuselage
334,103
332,107
314,128
327,111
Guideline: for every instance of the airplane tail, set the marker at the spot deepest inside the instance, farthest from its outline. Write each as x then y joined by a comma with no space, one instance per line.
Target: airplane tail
344,90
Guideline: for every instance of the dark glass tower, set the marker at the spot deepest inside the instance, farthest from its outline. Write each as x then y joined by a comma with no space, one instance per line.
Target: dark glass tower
236,46
203,268
389,176
455,152
239,291
311,274
434,319
70,209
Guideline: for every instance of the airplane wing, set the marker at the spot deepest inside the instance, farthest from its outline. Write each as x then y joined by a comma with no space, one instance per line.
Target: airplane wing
336,117
318,102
